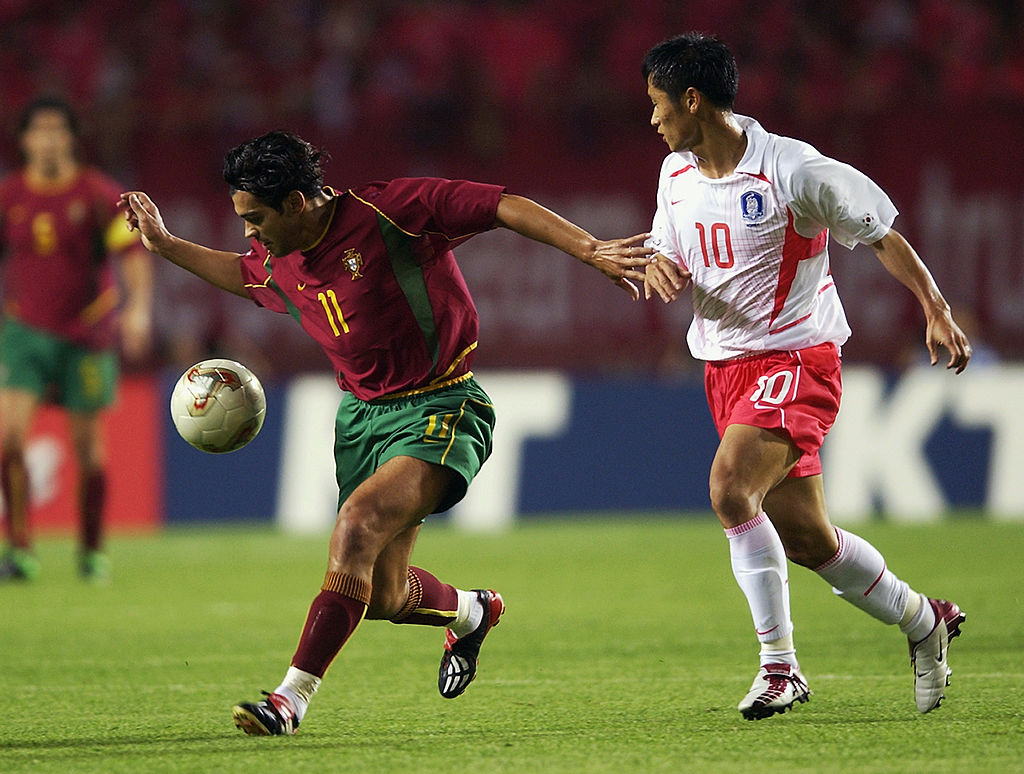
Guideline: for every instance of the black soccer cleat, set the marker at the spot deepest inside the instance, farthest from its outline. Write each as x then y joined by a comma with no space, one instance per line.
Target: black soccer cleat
458,664
273,716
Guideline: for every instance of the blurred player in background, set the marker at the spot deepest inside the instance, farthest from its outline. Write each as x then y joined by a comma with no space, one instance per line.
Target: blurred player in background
745,216
65,252
369,274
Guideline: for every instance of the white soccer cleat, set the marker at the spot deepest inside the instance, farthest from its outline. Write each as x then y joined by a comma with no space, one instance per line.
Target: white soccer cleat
776,688
928,656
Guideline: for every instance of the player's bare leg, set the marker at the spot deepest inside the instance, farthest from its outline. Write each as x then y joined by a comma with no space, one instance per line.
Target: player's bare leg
404,594
749,462
371,545
17,410
88,442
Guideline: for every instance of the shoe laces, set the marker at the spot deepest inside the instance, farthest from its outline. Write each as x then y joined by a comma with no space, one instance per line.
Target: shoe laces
778,681
279,705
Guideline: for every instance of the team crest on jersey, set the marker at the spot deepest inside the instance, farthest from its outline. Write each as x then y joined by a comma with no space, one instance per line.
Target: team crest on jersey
752,206
353,262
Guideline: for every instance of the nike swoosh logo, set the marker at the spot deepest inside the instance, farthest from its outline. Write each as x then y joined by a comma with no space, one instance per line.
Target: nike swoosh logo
676,202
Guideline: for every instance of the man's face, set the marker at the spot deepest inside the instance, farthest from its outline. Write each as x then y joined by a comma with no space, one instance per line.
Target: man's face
674,122
47,140
276,231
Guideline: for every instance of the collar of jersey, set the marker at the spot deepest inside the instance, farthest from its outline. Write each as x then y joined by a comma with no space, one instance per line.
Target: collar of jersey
330,220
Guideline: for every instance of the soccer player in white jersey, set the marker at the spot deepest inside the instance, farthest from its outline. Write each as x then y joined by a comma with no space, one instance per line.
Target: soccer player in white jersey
744,216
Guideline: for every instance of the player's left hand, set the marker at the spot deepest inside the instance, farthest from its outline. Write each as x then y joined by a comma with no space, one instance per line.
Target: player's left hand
944,332
666,278
622,260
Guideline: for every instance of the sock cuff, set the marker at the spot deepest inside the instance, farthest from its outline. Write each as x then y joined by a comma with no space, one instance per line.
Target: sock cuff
348,586
415,597
837,555
746,526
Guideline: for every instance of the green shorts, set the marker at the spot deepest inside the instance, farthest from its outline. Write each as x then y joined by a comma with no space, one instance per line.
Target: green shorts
452,426
56,370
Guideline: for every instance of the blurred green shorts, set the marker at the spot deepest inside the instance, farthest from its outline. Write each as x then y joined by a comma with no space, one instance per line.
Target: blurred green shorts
56,370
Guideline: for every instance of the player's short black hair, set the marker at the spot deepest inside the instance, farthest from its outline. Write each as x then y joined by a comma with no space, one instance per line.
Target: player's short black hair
693,59
39,104
272,166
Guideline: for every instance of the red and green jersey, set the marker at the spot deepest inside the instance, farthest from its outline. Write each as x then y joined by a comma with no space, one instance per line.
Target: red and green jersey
57,245
381,292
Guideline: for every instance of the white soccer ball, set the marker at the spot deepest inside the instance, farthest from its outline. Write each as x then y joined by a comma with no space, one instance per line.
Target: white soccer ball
218,406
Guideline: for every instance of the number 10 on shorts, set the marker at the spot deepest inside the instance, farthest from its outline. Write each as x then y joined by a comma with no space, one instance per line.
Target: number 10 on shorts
773,389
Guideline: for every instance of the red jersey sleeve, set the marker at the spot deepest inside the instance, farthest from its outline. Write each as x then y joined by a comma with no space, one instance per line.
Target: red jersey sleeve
258,280
453,209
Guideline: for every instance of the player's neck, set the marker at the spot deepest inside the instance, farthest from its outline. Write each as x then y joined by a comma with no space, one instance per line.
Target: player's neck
51,173
321,215
722,147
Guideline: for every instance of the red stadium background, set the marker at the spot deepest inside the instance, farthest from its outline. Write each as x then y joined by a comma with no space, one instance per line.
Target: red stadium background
543,96
546,97
135,480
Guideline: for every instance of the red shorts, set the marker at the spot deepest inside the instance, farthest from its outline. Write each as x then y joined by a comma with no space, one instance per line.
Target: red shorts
793,393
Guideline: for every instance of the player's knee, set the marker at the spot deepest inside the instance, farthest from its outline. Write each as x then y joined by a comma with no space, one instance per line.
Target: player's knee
733,501
356,539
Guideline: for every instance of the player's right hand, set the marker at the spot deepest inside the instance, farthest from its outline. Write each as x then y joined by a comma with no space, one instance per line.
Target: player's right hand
666,278
142,215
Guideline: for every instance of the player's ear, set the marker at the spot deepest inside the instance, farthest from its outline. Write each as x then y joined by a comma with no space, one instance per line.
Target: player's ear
294,203
692,99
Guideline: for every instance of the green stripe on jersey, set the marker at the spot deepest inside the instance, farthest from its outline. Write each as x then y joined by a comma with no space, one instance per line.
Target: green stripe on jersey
409,274
292,309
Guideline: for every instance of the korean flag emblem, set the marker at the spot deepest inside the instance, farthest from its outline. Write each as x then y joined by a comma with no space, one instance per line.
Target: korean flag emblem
752,207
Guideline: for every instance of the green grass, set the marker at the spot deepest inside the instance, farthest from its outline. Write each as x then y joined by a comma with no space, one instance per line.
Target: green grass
625,648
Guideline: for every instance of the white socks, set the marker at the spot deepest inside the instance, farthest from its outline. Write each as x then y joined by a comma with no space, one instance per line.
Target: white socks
470,615
760,566
298,687
858,574
919,618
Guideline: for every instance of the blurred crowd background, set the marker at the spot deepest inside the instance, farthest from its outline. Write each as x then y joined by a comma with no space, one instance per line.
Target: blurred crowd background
545,96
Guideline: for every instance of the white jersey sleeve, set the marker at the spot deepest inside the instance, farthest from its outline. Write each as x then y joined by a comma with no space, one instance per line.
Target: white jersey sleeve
663,237
825,193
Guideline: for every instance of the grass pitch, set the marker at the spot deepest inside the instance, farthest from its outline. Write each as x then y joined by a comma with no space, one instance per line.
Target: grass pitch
625,648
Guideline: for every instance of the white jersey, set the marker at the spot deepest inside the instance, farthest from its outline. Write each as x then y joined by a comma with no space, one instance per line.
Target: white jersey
755,243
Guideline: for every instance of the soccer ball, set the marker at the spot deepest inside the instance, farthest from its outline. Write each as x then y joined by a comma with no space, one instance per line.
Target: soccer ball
218,406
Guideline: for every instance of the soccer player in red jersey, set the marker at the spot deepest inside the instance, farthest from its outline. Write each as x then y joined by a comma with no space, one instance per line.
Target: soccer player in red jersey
369,273
63,246
745,216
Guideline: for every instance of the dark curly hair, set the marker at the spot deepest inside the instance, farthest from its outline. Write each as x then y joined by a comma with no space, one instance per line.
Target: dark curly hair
272,166
40,104
694,59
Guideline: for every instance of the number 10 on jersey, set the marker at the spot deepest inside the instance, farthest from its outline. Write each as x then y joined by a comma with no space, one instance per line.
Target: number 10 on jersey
721,244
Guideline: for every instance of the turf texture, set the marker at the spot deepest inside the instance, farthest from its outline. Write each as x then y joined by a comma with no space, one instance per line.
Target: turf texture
625,648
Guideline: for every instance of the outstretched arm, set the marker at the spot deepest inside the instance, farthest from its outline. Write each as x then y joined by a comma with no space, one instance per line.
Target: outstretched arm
903,262
620,260
217,267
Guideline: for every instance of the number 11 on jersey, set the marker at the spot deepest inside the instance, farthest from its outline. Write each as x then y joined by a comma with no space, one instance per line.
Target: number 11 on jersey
333,312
